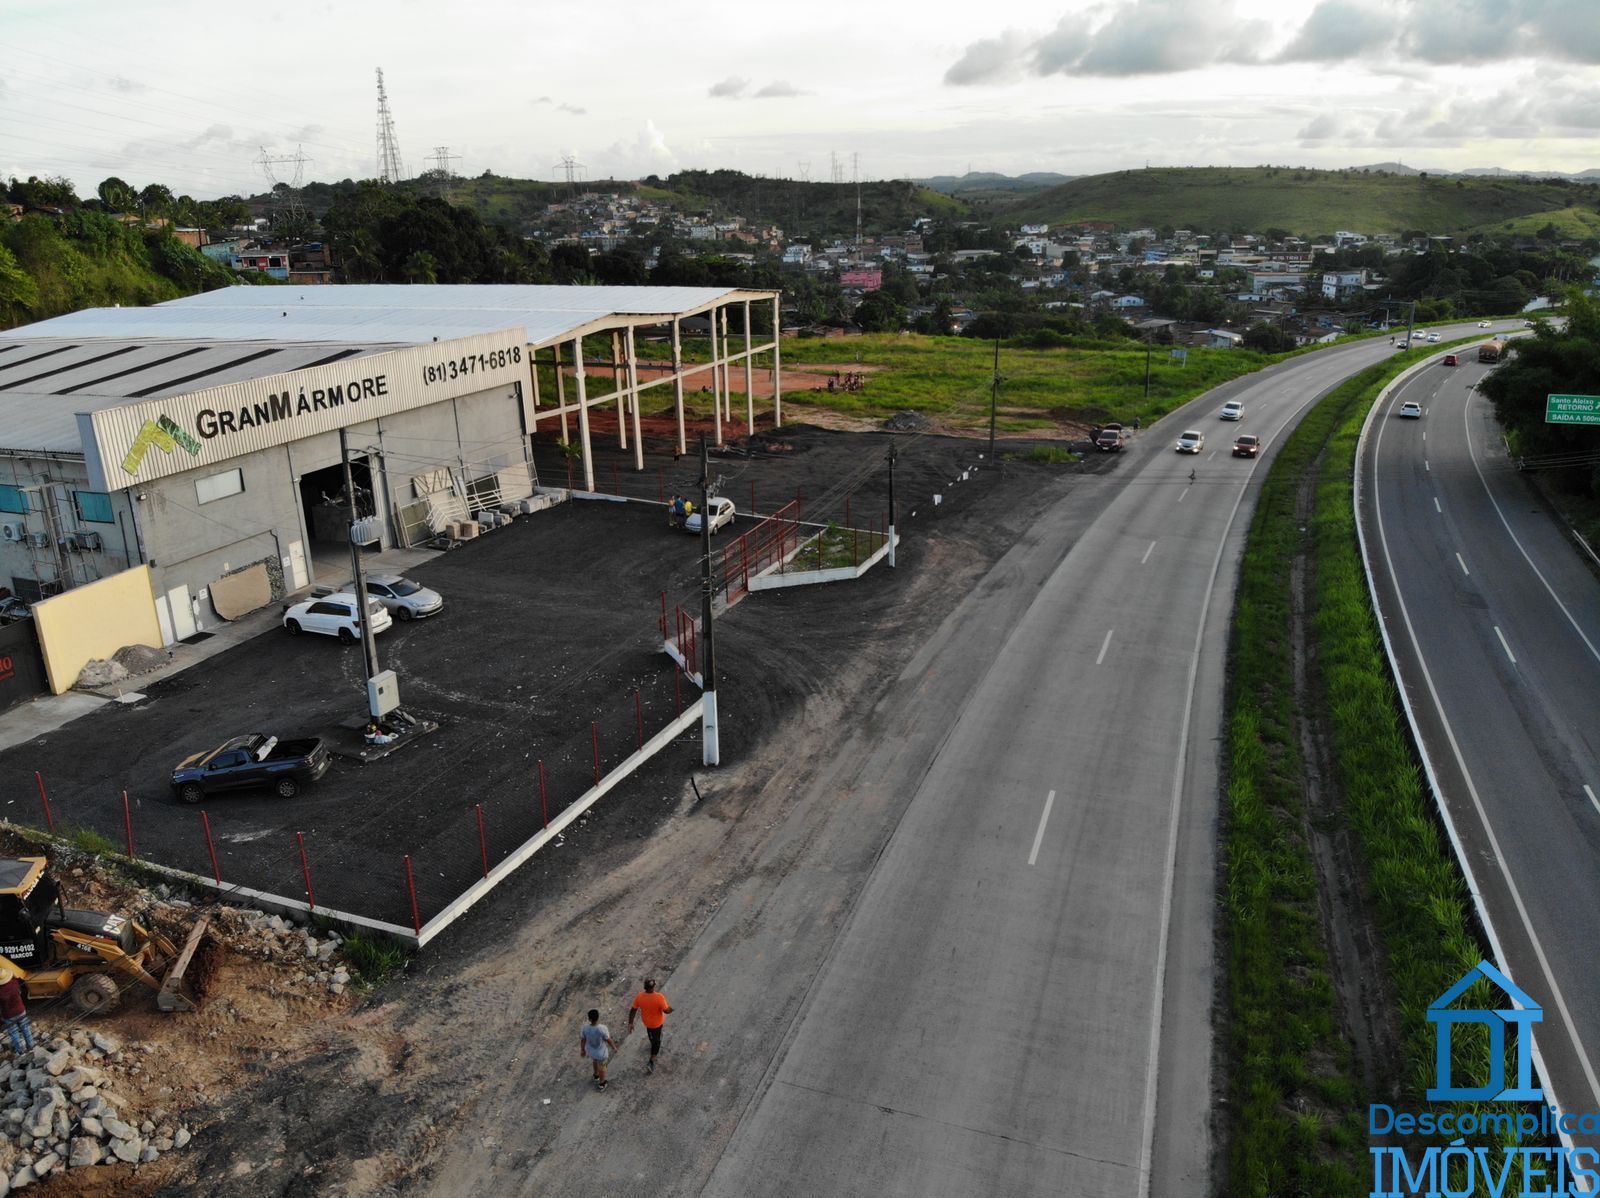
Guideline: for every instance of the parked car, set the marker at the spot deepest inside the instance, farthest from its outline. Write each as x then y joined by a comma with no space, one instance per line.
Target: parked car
721,515
1246,445
1232,410
250,761
1191,441
334,615
1452,359
1110,439
1411,410
403,598
13,609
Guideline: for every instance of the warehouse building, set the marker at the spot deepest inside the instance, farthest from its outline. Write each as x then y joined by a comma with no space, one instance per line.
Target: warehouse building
202,438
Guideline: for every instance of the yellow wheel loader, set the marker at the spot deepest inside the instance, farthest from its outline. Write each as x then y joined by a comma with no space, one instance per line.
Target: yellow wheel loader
88,956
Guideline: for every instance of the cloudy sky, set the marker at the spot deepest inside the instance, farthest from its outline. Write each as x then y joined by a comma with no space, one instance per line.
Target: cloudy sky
191,94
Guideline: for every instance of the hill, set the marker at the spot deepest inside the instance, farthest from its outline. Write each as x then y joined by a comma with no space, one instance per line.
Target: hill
987,183
887,205
1302,201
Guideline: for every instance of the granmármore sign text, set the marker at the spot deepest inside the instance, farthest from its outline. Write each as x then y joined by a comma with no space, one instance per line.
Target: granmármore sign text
206,427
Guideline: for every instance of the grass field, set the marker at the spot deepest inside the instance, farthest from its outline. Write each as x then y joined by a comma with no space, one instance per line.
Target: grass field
1303,201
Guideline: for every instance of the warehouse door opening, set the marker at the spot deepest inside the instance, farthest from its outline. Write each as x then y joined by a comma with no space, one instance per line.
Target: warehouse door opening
327,512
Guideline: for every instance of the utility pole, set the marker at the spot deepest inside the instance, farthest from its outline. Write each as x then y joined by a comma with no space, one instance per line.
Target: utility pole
1149,335
369,646
994,397
892,537
711,748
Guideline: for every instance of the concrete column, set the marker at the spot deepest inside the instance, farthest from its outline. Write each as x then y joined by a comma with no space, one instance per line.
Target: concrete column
616,387
677,383
583,417
749,376
777,390
716,394
727,368
561,393
633,398
533,380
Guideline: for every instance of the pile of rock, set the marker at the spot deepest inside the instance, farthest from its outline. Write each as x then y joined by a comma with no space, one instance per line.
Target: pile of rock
57,1111
266,938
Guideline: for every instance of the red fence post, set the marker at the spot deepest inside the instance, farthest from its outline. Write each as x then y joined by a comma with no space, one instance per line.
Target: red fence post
411,887
483,842
855,548
127,823
847,511
638,711
305,868
49,820
594,736
570,487
211,847
544,797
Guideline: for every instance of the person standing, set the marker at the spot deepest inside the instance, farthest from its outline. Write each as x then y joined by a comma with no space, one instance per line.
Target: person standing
652,1008
594,1042
14,1010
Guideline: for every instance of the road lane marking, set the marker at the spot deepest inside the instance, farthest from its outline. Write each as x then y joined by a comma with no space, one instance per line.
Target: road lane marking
1463,566
1182,493
1505,646
1044,818
1104,645
1147,553
1424,434
1426,466
1592,799
1436,506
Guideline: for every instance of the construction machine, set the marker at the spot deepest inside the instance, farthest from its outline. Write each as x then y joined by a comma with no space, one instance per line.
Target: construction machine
88,956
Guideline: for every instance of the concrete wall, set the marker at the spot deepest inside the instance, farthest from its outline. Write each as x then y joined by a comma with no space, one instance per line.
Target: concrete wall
95,621
58,478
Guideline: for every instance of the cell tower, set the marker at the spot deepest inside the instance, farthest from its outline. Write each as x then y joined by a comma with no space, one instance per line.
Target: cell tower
444,177
390,168
855,169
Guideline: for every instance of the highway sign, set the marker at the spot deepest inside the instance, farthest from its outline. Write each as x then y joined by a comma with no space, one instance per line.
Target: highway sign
1572,409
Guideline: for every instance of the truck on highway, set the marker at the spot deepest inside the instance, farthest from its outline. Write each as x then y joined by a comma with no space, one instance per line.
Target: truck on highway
1491,351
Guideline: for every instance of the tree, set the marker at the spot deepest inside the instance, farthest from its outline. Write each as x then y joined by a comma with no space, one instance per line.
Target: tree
1268,337
420,267
18,293
878,313
117,195
156,199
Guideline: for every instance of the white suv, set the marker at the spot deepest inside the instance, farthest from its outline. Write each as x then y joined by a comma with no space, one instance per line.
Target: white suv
334,615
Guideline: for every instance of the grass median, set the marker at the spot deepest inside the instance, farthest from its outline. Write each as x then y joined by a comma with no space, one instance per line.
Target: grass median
1297,1090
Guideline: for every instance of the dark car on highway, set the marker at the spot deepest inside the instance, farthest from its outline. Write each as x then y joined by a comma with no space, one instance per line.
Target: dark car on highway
257,760
1111,439
1246,445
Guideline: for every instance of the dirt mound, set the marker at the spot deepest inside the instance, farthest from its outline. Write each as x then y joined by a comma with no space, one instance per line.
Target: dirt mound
141,659
907,422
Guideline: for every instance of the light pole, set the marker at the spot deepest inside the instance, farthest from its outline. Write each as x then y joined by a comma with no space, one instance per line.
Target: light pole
994,397
891,504
369,645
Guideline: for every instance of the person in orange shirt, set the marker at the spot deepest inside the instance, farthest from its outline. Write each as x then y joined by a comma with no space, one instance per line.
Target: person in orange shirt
653,1008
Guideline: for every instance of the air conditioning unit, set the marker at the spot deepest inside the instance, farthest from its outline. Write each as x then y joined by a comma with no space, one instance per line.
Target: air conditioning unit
39,540
70,542
91,541
12,531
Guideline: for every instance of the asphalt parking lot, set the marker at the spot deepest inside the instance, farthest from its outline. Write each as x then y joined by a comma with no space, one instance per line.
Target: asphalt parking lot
549,625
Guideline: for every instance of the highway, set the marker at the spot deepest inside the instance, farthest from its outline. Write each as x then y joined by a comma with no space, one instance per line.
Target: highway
1494,620
1020,1001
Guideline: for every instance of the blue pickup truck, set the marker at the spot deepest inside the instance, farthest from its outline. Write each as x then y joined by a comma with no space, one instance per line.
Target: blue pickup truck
251,761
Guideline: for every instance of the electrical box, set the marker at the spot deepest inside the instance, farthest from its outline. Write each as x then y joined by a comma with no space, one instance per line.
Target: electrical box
39,540
383,693
366,531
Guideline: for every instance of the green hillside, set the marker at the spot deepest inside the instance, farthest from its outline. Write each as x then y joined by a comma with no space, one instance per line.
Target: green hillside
1302,201
1580,223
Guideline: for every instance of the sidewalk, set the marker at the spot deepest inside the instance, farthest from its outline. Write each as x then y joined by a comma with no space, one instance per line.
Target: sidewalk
48,713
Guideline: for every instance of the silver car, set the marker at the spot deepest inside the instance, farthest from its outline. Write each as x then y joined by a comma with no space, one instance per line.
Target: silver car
405,599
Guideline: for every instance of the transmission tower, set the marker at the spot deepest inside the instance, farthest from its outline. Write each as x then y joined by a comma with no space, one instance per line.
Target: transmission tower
837,173
572,167
805,170
444,177
855,169
292,211
390,168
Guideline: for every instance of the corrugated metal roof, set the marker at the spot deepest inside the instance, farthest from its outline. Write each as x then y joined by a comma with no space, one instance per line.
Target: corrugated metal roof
504,297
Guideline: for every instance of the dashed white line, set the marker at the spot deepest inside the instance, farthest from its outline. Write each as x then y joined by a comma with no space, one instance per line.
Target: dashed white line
1104,645
1462,563
1182,493
1044,818
1436,506
1505,646
1592,799
1147,553
1425,465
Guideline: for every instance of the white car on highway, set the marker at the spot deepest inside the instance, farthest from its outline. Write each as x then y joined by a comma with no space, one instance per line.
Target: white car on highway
334,615
1483,324
1232,410
1411,410
1191,441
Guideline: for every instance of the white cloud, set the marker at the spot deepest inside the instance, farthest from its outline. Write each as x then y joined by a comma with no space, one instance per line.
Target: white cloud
779,88
730,88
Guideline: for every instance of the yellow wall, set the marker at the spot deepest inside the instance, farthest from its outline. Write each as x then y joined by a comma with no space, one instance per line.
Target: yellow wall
95,620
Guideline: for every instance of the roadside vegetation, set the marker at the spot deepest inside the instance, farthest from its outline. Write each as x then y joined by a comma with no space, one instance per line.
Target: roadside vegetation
1298,1090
